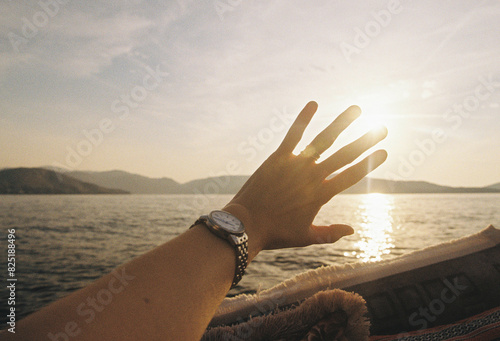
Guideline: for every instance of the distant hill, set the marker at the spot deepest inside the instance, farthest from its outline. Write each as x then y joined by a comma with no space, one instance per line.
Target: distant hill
44,181
138,184
369,185
215,185
133,183
495,186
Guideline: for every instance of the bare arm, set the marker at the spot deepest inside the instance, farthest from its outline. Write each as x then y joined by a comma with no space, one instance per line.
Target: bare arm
173,291
169,293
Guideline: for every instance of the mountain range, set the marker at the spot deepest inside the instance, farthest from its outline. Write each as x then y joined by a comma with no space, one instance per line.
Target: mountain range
47,180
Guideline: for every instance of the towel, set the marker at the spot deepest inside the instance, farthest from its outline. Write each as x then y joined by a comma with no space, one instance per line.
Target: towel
327,315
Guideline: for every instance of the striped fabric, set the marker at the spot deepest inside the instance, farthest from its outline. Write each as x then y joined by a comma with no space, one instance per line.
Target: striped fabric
481,327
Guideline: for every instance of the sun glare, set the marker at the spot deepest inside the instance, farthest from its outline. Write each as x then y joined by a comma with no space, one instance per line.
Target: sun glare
378,107
375,213
374,117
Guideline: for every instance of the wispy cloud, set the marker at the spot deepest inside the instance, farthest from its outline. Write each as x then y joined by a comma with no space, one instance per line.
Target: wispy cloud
228,73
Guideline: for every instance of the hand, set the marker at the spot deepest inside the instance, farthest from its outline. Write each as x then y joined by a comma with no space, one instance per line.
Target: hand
281,199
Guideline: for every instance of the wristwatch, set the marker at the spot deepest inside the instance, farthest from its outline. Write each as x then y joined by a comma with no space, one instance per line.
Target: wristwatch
226,226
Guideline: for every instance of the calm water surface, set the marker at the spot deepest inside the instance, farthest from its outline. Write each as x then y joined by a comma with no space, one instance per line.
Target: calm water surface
66,241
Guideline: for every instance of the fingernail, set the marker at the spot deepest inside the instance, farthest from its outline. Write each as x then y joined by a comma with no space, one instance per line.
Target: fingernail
380,130
348,230
356,109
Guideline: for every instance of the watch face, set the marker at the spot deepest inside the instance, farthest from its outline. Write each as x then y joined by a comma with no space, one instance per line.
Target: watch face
227,221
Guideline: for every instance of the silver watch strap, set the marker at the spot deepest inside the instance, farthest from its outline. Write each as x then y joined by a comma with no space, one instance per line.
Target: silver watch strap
240,248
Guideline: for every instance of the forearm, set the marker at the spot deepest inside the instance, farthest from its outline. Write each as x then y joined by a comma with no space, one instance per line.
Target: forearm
169,293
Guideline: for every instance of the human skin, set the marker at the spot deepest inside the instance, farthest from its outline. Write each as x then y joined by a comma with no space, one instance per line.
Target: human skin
172,291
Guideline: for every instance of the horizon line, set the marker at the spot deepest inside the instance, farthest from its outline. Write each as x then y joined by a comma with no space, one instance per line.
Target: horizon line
63,170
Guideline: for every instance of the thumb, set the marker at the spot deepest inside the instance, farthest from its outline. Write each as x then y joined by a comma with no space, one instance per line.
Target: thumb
329,234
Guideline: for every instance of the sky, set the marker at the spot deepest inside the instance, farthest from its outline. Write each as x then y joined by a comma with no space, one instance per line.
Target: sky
190,89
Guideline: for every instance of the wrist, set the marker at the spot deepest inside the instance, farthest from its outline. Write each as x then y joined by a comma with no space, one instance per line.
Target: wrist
255,243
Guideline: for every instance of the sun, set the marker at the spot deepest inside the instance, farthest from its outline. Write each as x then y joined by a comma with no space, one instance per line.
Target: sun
380,111
375,115
378,107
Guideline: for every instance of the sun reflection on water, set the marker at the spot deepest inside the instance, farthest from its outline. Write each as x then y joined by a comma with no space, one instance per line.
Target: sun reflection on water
376,227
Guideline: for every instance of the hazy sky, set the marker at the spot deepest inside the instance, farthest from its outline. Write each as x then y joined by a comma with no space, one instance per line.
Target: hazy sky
191,89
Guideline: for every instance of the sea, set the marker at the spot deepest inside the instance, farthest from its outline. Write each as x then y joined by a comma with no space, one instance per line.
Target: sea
64,242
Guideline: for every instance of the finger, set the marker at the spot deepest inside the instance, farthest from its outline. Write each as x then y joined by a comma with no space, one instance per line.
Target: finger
327,137
296,131
352,151
353,174
329,234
